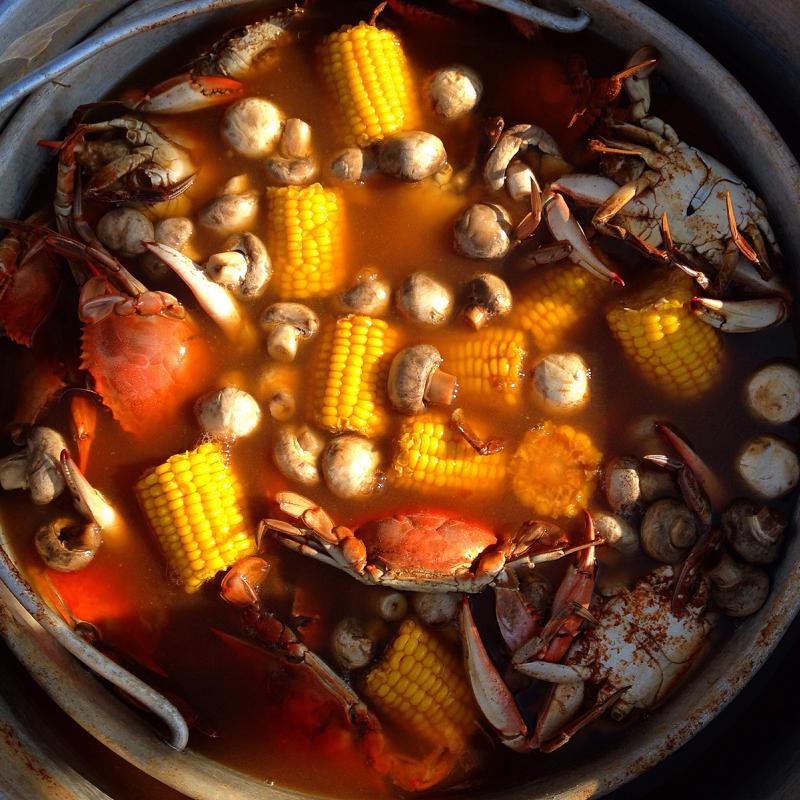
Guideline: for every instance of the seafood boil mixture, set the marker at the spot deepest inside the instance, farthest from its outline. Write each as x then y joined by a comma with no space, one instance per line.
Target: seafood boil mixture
397,392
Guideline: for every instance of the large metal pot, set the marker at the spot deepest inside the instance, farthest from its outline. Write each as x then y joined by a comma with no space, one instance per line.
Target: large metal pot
761,158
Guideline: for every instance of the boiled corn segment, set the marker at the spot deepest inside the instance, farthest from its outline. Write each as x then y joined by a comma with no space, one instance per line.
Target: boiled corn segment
420,685
431,455
367,72
555,470
674,350
489,364
555,301
192,502
352,365
304,240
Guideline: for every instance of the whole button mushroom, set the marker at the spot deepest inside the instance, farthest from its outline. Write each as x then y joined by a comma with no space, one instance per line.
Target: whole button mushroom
738,590
243,266
351,644
561,382
669,531
754,533
773,393
295,139
435,608
230,212
37,467
487,296
353,165
411,155
350,466
252,127
769,466
483,231
228,414
424,298
370,295
290,171
628,484
124,230
454,91
66,545
296,454
617,533
416,380
286,324
174,231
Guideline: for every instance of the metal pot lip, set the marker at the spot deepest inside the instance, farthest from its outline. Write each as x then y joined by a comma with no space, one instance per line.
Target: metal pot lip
724,674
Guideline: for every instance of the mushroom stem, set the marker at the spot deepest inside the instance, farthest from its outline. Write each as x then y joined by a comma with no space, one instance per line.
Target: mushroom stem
441,388
476,316
282,343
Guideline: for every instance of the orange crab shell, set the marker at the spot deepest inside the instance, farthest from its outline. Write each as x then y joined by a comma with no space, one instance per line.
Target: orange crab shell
146,368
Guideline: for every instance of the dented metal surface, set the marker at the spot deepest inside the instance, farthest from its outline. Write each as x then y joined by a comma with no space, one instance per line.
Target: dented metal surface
764,162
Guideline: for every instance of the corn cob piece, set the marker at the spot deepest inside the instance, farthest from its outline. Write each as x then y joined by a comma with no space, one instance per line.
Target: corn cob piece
366,70
489,364
192,503
555,470
556,300
420,685
352,365
431,455
673,349
304,240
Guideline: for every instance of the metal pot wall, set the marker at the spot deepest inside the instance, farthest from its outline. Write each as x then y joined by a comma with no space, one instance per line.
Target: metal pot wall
761,158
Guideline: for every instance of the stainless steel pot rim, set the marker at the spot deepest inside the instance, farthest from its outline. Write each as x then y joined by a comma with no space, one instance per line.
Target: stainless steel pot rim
754,142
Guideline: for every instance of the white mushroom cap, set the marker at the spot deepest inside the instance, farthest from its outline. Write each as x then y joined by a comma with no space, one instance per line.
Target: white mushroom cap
415,379
124,230
252,127
228,413
286,324
353,165
483,231
370,295
435,608
411,155
769,466
617,533
561,382
455,91
424,298
351,644
350,466
773,393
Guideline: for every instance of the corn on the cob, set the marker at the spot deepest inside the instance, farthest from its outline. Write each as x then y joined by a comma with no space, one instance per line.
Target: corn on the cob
304,240
430,454
555,301
192,503
554,470
352,364
366,70
489,364
419,684
673,349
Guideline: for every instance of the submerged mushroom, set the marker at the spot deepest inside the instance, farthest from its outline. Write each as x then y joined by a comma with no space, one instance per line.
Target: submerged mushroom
37,467
175,231
287,324
454,91
411,155
370,295
487,296
353,165
483,231
228,414
628,484
350,466
561,382
435,608
252,127
125,230
230,213
243,267
296,454
617,533
415,380
769,466
290,171
296,139
67,545
753,532
351,644
424,298
773,393
669,530
738,590
276,390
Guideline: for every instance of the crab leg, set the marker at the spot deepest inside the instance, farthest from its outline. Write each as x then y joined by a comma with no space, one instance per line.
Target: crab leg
690,487
679,258
741,316
742,245
83,421
707,544
184,93
565,227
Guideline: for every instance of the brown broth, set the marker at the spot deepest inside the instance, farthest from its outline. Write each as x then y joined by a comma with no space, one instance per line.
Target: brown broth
269,719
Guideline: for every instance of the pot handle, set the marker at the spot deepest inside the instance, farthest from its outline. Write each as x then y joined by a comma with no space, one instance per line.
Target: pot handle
89,656
547,19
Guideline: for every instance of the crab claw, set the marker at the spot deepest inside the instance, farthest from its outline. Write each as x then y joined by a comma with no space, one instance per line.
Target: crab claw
565,227
691,489
88,500
184,93
216,301
741,316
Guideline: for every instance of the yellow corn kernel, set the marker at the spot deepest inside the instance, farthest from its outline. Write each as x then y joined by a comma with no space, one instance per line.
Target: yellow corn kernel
431,455
419,684
489,364
192,502
367,72
673,349
304,228
557,298
352,365
555,469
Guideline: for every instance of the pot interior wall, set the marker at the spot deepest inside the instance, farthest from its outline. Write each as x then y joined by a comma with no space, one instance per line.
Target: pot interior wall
761,158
